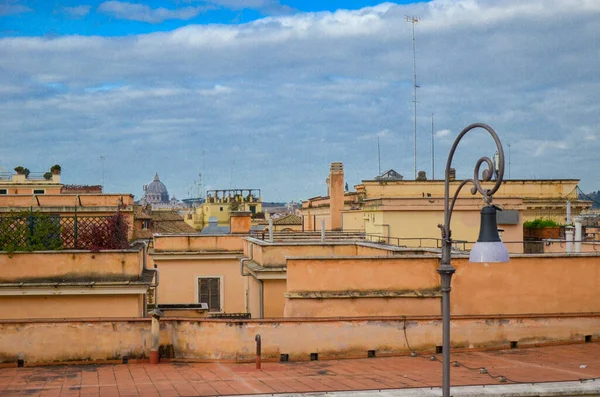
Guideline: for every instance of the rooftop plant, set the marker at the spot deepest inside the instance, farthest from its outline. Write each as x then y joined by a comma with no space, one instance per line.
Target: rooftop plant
540,223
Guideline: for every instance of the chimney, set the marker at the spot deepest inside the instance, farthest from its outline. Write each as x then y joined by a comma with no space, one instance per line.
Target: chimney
240,222
452,174
422,176
336,195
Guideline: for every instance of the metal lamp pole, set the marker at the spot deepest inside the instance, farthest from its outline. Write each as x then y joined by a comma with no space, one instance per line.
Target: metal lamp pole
446,270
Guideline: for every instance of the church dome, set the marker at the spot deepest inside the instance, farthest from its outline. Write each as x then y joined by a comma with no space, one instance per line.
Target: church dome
156,192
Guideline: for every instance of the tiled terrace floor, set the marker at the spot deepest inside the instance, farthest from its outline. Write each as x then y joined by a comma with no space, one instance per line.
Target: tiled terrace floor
556,363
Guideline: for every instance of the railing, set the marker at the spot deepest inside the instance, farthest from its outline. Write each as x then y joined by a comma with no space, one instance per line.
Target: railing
36,232
309,235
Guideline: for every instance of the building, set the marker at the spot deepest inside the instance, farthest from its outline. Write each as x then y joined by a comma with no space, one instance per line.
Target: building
157,196
30,183
407,212
219,204
65,252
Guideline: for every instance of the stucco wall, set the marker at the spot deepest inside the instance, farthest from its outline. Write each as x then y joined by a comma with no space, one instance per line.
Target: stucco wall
527,284
234,340
182,243
48,264
179,281
274,299
71,306
366,273
274,255
541,284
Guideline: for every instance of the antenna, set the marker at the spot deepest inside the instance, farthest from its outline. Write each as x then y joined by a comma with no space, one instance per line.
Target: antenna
378,157
509,161
432,152
413,20
102,158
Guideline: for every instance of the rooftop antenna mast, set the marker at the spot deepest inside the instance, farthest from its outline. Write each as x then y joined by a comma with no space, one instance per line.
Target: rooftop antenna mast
102,158
378,157
413,20
432,151
509,161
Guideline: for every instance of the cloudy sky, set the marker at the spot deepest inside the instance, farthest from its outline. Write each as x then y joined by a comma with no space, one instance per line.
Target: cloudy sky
266,93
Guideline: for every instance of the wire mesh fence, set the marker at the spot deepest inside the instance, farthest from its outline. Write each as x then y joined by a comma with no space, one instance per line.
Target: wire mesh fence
39,232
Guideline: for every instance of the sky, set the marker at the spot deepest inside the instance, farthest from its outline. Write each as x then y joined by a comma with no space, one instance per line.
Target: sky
266,93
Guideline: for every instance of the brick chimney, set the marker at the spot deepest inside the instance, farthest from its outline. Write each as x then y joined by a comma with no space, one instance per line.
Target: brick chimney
336,195
240,222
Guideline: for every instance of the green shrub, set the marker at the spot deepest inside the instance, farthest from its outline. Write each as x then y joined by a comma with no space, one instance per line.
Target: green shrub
540,223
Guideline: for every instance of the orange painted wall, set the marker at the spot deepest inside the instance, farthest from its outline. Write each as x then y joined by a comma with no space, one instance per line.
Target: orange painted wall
21,265
219,339
179,281
253,297
527,284
275,254
70,306
66,200
357,307
197,243
341,274
274,299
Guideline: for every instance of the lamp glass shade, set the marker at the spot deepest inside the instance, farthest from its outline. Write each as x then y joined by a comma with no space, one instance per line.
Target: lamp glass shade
489,247
489,252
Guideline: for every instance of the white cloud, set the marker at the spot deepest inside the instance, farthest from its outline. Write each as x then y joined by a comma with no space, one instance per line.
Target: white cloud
442,133
143,13
77,11
13,7
299,91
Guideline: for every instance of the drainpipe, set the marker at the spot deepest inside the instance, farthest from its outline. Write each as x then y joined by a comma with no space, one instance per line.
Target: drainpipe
322,230
261,298
242,263
156,313
260,283
271,230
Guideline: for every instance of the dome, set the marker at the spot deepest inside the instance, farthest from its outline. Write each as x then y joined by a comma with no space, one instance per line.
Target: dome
156,192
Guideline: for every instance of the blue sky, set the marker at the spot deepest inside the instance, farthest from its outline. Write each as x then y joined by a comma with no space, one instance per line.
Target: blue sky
266,94
120,18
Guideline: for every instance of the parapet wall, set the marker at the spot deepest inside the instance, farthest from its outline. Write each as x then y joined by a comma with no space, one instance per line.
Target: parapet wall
195,243
70,264
197,339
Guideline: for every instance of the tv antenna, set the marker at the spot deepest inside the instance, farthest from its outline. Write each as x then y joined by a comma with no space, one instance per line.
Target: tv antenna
413,20
102,158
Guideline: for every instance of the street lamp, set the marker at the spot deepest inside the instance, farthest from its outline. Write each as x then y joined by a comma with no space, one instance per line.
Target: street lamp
488,248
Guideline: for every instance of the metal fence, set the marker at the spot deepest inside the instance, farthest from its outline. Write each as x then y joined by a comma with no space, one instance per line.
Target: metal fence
36,232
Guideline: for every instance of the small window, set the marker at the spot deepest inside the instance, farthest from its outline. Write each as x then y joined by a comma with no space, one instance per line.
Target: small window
39,191
220,208
253,209
145,224
209,292
3,191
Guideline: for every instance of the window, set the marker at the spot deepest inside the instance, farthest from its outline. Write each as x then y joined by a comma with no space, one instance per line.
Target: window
39,191
220,208
209,292
253,209
145,224
3,191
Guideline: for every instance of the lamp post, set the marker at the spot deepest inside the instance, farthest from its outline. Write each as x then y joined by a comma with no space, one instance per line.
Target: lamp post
488,247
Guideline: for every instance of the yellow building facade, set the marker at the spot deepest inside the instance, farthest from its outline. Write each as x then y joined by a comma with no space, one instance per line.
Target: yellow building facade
407,212
220,203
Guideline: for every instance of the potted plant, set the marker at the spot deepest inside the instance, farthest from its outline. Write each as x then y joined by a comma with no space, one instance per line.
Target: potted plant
19,170
26,172
55,169
47,176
